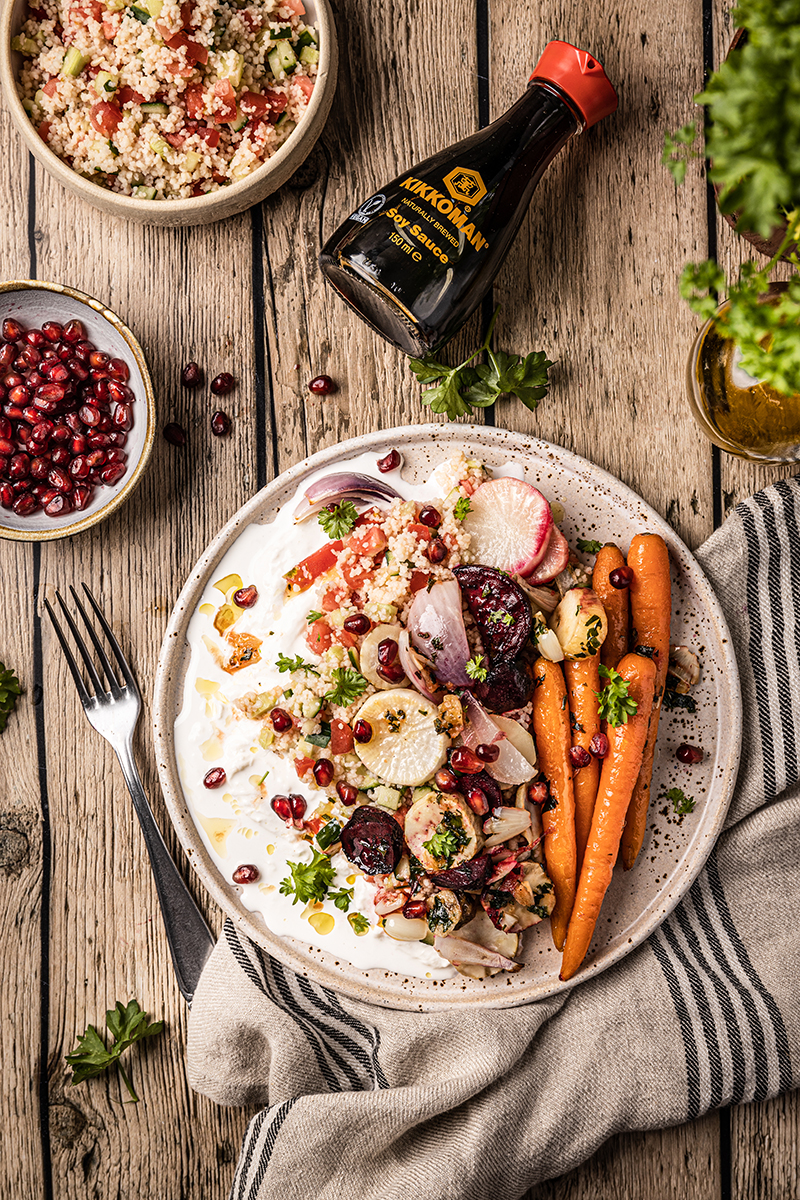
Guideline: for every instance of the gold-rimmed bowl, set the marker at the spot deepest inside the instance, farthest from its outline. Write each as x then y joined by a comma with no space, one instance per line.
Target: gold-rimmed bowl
32,302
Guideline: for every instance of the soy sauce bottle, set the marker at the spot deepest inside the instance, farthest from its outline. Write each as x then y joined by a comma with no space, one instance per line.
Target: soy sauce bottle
415,259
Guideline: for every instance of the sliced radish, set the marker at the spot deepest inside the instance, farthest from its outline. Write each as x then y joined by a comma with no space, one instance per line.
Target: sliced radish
509,522
553,561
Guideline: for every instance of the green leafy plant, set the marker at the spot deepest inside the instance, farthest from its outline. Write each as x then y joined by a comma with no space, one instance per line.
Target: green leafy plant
615,705
308,881
10,689
284,663
753,106
589,547
681,803
338,519
347,686
464,387
475,668
461,507
91,1057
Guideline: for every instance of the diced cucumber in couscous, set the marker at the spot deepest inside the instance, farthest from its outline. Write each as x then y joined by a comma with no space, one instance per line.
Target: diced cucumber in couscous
155,108
309,55
231,66
144,193
74,61
282,60
25,45
105,82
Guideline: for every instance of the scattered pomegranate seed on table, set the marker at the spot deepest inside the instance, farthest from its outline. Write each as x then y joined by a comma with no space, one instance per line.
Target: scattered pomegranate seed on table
220,424
191,375
322,385
691,755
175,434
621,578
246,873
64,398
223,384
390,462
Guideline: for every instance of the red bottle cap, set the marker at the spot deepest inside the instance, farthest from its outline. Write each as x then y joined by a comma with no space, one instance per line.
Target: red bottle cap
581,76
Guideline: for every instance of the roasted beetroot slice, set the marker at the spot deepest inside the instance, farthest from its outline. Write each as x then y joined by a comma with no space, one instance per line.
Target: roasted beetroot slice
469,876
501,610
506,687
482,779
372,841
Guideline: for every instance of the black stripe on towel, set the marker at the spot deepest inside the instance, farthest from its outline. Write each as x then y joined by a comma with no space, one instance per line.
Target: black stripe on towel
267,1148
685,1023
755,648
703,1011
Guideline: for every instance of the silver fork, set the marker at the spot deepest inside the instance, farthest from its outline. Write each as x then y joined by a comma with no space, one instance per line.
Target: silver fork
114,713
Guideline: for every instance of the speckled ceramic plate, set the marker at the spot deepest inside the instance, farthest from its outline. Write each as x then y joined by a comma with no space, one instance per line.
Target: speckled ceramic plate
596,506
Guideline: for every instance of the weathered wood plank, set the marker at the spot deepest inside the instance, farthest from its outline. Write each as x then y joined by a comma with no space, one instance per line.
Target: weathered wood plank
22,870
186,294
385,117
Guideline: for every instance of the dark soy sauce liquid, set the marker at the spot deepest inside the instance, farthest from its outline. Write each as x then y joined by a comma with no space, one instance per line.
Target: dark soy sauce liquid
416,259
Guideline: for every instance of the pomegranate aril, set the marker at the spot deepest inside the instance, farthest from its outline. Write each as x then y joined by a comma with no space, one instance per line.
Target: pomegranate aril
430,516
476,799
246,873
113,473
175,434
47,407
357,623
120,392
40,466
5,427
3,465
387,651
436,551
31,415
61,457
465,761
281,807
59,506
78,370
19,467
13,379
6,446
390,462
215,777
246,596
73,331
220,424
118,439
116,456
622,577
44,493
99,441
13,412
118,369
79,467
53,331
51,391
22,485
223,384
25,504
414,910
579,757
7,354
321,385
191,375
362,731
446,781
89,415
538,793
79,445
59,479
487,753
281,721
105,424
323,772
81,496
298,806
41,431
6,495
123,417
35,337
19,394
100,390
691,755
84,351
64,352
31,356
392,672
598,746
58,373
12,330
61,433
99,359
347,793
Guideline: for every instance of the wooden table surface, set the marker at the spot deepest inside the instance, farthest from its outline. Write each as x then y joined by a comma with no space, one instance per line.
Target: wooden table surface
591,279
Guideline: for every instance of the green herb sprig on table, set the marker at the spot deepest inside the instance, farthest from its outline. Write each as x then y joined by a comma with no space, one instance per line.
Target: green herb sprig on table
615,705
10,690
460,389
127,1024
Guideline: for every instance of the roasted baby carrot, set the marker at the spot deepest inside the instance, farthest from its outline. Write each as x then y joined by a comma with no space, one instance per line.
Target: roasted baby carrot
553,739
583,684
617,781
651,602
614,601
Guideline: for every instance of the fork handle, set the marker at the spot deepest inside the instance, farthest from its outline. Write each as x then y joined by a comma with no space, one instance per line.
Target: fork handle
189,937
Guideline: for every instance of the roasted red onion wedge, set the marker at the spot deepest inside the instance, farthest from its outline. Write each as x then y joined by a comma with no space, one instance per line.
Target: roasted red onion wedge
436,625
460,952
419,670
466,876
510,766
346,485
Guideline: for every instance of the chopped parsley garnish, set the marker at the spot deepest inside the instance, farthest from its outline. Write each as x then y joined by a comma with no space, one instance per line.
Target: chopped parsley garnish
681,803
474,668
439,918
309,881
499,615
342,899
91,1057
359,922
314,616
395,718
339,519
615,703
674,699
10,689
461,507
141,14
348,686
448,839
295,664
588,547
593,626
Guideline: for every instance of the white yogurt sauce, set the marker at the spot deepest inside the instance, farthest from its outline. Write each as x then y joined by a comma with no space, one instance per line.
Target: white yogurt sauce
236,821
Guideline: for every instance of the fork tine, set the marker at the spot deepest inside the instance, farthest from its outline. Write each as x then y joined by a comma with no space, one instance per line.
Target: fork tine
84,653
73,666
127,674
113,682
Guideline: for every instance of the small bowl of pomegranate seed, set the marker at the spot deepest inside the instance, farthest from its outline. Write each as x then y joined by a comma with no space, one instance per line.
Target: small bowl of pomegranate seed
77,411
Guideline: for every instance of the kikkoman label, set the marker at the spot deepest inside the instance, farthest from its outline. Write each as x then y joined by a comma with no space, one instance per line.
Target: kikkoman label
465,187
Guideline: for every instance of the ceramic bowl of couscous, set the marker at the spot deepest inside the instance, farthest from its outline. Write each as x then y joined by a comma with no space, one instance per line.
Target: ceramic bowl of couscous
169,112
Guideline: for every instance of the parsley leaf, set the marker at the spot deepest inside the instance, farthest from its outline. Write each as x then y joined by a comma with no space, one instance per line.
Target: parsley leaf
681,803
498,615
459,389
10,689
448,838
314,616
309,881
589,547
339,519
91,1057
678,151
461,507
348,686
474,668
615,703
359,922
294,664
342,899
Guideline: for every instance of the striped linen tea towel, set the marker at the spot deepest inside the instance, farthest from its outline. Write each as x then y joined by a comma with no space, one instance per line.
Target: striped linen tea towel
378,1104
